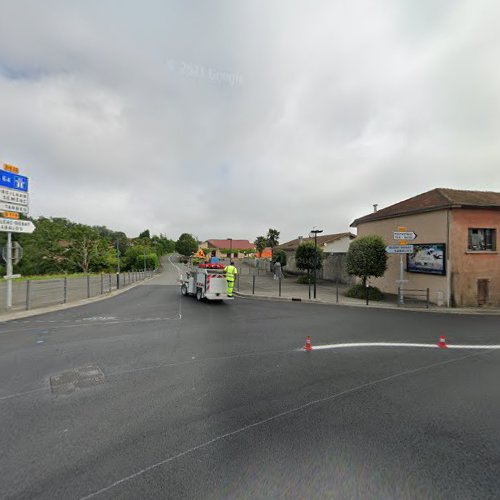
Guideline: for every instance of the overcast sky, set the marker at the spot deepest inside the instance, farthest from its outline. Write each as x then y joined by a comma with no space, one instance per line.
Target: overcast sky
225,118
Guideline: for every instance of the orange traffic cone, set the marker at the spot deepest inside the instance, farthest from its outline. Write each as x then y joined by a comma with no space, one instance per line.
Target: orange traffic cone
308,346
442,342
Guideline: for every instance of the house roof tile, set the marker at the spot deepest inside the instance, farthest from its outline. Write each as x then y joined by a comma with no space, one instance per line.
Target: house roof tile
236,244
322,240
436,199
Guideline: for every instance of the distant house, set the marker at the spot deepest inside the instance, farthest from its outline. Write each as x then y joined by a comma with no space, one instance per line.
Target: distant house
216,247
455,251
334,247
267,253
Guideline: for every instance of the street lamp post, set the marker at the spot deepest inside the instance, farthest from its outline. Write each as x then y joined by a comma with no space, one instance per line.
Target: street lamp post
118,265
315,232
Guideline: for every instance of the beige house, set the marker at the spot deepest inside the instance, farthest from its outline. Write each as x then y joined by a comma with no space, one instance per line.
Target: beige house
218,248
334,247
455,253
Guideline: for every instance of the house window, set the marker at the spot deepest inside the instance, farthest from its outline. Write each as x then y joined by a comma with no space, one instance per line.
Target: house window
482,239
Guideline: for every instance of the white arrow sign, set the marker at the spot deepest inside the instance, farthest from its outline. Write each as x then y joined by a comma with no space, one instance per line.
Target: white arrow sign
399,249
13,196
404,235
12,207
16,226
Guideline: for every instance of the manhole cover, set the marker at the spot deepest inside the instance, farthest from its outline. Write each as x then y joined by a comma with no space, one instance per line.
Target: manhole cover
79,378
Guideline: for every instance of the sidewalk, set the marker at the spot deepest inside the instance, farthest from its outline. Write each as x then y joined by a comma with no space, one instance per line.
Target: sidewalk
265,287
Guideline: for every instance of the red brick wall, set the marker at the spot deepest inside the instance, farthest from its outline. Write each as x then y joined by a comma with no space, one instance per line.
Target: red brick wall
469,267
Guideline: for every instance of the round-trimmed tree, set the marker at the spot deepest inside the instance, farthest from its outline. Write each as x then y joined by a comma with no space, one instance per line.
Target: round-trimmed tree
367,258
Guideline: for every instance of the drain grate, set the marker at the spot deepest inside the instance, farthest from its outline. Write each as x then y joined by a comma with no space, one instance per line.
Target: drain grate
79,378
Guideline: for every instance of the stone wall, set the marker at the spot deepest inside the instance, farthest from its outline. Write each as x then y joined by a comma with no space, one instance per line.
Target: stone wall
334,267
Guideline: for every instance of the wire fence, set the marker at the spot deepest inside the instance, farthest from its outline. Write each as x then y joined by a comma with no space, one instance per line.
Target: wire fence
35,294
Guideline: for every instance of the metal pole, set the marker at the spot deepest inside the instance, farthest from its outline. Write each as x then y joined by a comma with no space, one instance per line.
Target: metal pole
118,257
366,293
401,268
279,283
309,275
315,260
117,281
9,270
253,284
102,283
109,276
28,297
65,298
88,286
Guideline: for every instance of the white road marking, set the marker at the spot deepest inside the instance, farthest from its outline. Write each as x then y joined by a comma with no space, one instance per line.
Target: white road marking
267,420
2,398
400,344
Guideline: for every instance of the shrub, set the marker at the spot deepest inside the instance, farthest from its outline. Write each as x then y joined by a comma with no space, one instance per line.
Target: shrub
279,256
358,291
304,279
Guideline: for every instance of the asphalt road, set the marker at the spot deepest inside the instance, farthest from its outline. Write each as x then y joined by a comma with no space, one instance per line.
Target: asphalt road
150,395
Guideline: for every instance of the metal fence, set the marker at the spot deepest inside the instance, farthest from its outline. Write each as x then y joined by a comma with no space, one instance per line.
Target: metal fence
34,294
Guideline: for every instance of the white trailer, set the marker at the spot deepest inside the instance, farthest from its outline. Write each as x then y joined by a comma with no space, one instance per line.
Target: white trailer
207,281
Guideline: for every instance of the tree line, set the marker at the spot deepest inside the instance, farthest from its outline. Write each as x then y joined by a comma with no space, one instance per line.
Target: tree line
60,246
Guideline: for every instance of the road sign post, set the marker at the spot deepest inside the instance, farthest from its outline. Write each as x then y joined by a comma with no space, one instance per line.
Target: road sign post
14,200
9,270
402,236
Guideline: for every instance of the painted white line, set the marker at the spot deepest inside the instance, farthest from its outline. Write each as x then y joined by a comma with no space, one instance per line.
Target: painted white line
17,394
399,344
270,419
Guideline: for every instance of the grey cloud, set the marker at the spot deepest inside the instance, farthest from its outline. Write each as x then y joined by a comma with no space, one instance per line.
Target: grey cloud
339,105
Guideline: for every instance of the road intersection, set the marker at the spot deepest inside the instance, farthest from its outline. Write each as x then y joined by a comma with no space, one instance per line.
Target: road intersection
149,394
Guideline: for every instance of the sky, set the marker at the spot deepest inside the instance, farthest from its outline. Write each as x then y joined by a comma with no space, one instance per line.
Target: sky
223,119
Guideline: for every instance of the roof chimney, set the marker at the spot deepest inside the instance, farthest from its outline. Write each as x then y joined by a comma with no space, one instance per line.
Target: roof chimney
375,205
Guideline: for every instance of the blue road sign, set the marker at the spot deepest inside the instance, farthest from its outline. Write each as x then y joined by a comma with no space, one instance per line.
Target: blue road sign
13,181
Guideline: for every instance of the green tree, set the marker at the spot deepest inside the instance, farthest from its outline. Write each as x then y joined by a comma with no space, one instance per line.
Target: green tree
145,234
85,247
272,238
279,256
366,257
151,261
186,244
308,257
260,243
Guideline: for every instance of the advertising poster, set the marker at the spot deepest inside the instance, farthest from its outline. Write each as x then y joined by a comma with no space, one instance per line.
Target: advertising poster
428,258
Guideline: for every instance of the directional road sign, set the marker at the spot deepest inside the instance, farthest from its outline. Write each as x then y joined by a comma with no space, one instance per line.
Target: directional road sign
13,181
16,226
399,248
404,235
13,207
13,196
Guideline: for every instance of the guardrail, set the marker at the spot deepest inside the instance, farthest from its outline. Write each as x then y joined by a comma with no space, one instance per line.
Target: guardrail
34,294
421,295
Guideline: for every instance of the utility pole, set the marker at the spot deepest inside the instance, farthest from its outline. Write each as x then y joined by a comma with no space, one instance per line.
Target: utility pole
144,260
316,232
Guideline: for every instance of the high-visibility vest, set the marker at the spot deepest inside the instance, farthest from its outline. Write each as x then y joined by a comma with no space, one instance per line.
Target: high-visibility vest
231,272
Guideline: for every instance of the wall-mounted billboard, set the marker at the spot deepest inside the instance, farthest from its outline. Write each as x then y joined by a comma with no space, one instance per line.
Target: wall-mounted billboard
428,258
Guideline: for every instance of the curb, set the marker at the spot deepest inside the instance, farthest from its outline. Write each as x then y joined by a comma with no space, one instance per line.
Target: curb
62,307
370,306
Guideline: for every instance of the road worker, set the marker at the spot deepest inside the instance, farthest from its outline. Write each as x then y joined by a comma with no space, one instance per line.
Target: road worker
231,273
